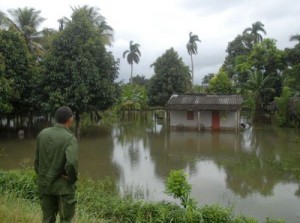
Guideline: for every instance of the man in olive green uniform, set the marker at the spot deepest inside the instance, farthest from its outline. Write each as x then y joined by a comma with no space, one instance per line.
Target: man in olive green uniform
56,164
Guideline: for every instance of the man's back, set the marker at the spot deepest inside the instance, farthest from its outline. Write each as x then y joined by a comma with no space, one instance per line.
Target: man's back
56,155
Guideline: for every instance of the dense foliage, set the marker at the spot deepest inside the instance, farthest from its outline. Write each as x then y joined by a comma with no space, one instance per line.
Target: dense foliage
260,70
133,97
171,76
79,72
291,74
18,74
220,84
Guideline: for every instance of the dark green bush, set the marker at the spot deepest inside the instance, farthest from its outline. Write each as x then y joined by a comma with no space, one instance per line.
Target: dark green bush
21,182
216,213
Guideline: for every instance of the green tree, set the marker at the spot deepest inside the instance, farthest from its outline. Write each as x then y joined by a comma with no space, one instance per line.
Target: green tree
4,21
47,36
18,74
240,46
196,89
26,21
295,38
292,79
105,31
259,85
171,76
61,23
140,80
291,74
220,84
79,72
192,48
133,55
6,92
207,78
241,69
134,97
265,59
254,31
282,114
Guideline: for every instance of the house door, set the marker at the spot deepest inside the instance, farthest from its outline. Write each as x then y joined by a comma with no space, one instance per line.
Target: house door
215,119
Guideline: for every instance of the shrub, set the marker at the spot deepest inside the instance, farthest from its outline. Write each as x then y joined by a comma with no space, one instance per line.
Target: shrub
216,213
178,186
282,103
22,182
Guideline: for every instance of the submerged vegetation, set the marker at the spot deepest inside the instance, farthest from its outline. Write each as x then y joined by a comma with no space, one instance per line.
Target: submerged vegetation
99,201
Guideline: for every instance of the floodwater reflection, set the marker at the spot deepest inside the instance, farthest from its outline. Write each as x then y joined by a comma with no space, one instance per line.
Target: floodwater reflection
256,170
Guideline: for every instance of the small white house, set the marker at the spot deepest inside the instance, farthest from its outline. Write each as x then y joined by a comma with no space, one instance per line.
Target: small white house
204,112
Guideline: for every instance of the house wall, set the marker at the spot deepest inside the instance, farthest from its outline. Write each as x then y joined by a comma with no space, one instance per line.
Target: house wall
228,119
205,119
178,119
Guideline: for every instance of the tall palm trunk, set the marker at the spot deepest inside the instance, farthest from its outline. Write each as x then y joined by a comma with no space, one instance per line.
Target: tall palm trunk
131,73
192,68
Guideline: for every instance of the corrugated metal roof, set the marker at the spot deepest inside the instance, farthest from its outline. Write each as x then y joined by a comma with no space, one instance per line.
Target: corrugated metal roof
204,102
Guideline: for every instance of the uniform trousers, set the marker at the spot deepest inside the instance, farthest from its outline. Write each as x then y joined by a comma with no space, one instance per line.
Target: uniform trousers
64,205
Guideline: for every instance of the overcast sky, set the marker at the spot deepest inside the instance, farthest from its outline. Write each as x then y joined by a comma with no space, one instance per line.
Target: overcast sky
158,25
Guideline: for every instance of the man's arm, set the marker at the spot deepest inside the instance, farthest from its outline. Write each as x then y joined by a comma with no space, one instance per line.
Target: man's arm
71,166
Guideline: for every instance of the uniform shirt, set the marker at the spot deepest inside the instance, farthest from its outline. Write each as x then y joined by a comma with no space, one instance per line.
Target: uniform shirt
56,155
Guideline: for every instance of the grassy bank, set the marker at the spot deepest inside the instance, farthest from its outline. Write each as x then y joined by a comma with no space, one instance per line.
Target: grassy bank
14,209
99,201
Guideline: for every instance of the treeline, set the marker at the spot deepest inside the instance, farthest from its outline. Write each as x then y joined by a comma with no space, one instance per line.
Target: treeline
261,72
43,69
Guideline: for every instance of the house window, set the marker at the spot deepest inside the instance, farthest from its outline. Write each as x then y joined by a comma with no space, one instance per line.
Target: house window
190,115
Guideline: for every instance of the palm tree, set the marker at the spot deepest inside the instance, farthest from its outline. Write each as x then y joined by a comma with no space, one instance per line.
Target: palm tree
133,55
259,85
295,38
62,22
3,19
48,35
26,21
106,32
254,31
98,21
192,49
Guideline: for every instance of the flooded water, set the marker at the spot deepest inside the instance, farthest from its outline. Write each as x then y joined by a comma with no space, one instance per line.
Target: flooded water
257,171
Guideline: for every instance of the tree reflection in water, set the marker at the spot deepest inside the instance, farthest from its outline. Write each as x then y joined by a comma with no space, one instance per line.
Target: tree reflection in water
255,167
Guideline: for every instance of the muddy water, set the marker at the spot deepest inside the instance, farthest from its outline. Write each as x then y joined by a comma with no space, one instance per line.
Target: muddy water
257,171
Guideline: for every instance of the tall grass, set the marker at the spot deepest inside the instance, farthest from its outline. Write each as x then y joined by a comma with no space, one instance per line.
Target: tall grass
14,209
99,201
19,210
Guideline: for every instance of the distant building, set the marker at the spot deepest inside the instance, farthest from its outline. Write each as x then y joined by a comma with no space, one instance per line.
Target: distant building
204,112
